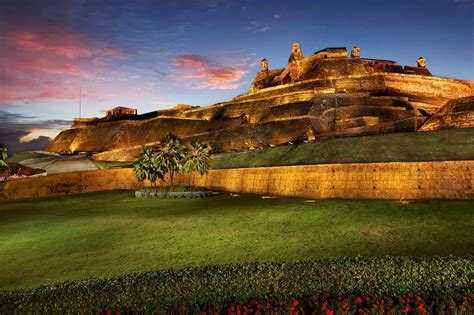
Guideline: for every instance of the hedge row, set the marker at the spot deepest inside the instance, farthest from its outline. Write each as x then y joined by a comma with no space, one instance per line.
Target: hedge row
216,285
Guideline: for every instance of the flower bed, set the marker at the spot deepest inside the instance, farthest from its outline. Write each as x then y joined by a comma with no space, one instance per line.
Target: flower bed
329,304
173,192
377,285
18,171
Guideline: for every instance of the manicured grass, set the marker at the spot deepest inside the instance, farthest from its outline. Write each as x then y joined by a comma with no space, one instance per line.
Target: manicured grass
21,156
105,165
109,233
454,144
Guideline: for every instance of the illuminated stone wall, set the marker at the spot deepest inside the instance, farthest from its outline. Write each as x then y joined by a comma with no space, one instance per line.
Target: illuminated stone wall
397,180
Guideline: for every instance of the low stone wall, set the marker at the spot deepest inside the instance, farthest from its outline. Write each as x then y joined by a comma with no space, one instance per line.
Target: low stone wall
69,183
398,180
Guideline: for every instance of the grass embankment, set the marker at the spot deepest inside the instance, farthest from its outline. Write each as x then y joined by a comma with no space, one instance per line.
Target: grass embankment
106,165
110,233
454,144
22,156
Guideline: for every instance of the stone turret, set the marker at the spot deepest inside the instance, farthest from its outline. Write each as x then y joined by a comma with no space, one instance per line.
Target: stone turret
421,62
296,54
264,65
355,52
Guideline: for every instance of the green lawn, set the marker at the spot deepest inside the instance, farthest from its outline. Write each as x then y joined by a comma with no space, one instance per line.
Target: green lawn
109,233
21,156
454,144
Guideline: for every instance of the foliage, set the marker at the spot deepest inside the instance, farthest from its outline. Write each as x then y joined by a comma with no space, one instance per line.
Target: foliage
197,158
171,155
394,280
147,166
3,158
180,188
330,304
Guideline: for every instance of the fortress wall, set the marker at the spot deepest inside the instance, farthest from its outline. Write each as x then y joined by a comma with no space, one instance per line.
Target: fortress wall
256,135
457,113
69,183
312,67
123,134
242,138
436,91
398,180
257,107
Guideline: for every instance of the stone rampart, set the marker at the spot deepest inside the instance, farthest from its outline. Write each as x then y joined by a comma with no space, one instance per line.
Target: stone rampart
396,180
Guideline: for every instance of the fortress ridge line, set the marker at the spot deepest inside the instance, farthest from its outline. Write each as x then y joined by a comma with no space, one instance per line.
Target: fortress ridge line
327,94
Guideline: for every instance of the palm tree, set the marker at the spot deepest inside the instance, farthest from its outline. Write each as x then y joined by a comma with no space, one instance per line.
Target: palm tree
3,157
147,167
197,158
171,155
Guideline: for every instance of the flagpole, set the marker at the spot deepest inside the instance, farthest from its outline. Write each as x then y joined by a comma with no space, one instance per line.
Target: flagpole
80,102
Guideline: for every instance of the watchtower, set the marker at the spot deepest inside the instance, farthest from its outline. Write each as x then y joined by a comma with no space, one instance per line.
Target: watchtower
296,54
421,62
264,65
355,52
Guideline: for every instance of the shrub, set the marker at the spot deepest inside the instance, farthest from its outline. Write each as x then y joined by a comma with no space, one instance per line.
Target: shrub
3,158
439,279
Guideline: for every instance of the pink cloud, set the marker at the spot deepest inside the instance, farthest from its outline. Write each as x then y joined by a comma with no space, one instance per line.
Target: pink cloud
60,43
205,74
39,62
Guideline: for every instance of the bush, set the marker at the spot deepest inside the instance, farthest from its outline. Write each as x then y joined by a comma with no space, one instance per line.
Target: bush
438,279
173,192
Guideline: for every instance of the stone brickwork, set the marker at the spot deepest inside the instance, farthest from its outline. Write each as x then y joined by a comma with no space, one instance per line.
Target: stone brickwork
457,113
396,180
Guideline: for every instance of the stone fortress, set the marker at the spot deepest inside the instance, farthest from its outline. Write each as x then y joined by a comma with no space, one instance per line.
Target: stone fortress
328,94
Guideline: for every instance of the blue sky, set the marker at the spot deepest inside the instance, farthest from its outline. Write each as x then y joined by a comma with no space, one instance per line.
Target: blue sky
154,54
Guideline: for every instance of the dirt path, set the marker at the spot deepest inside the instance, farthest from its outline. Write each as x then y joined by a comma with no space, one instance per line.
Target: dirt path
61,164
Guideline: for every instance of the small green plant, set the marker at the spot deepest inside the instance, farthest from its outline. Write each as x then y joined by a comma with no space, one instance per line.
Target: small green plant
3,158
147,166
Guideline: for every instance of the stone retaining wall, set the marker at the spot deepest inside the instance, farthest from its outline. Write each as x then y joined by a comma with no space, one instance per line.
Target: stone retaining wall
397,180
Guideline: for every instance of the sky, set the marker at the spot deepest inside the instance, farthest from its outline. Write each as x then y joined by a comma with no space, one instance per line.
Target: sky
154,54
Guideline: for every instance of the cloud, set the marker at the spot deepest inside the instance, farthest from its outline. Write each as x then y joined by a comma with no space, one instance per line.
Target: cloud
255,27
42,60
21,132
276,16
203,74
262,29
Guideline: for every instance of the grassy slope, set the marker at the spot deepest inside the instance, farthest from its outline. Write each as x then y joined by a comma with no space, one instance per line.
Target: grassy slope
455,144
108,233
21,156
105,165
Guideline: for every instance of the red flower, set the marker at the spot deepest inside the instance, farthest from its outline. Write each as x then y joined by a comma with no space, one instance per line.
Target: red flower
407,308
358,300
421,308
329,312
295,303
324,306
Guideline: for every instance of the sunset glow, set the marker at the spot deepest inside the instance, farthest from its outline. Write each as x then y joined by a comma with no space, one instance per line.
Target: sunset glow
153,55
